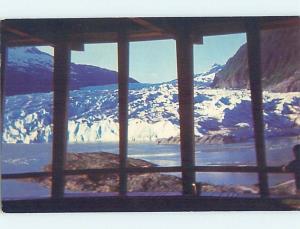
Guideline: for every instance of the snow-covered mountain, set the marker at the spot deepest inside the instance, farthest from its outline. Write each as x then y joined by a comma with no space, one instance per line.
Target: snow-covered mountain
206,79
31,70
153,113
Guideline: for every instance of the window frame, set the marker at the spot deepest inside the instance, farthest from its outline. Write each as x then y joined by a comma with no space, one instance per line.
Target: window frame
184,45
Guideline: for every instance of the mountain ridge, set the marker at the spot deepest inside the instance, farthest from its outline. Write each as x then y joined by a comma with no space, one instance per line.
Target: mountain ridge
280,63
30,70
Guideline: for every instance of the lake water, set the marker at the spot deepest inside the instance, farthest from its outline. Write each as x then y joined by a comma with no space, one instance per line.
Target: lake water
18,158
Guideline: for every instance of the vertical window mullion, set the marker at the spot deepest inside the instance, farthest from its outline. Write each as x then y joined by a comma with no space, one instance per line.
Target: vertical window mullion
2,88
123,76
184,49
60,116
255,74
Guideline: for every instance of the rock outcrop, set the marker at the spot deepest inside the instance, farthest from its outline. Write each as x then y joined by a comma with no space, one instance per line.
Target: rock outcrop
142,182
145,182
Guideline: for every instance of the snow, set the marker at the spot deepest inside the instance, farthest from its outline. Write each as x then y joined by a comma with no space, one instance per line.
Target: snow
204,80
153,113
27,56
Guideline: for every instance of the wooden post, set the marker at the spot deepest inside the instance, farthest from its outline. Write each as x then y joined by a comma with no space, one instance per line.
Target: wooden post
297,180
2,86
60,116
123,75
184,48
255,74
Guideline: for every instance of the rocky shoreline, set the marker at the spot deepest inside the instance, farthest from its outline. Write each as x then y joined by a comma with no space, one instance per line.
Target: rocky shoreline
145,182
212,139
206,139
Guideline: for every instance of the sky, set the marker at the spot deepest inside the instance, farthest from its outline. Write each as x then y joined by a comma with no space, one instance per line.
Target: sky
155,61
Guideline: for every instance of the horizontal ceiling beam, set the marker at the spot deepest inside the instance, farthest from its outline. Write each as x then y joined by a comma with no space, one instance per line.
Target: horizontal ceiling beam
83,31
147,25
24,37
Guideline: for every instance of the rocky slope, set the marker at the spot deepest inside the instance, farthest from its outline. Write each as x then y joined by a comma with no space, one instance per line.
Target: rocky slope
280,54
30,71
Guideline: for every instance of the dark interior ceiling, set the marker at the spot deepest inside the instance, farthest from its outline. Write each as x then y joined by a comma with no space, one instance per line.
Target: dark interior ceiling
20,32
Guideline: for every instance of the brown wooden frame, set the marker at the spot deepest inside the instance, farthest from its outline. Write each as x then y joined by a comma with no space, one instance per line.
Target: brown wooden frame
60,116
123,78
255,75
2,82
184,45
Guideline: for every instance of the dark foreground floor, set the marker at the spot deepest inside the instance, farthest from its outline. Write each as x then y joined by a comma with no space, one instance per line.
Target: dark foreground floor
150,203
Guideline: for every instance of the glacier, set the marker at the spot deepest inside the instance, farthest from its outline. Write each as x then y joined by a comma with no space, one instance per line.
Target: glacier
153,113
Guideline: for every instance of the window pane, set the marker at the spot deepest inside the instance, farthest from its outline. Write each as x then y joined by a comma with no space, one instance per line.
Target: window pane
222,102
153,130
154,184
92,185
280,63
228,184
281,90
157,155
23,189
27,134
21,158
226,154
93,127
282,184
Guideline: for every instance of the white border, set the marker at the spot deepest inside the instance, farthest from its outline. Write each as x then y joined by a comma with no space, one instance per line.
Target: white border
224,220
134,8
